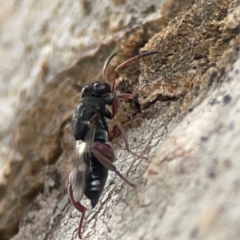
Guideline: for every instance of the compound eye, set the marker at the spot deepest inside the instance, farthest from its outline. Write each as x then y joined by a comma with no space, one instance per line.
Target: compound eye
102,87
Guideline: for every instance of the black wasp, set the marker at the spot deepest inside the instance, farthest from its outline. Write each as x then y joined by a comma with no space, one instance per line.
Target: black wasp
94,154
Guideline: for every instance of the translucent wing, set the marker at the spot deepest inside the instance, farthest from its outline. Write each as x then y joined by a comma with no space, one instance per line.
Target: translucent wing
77,178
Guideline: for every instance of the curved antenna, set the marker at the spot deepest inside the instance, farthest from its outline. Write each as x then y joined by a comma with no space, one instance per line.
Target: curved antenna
104,73
133,59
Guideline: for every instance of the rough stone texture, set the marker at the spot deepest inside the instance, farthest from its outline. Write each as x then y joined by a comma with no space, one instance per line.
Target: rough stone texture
185,120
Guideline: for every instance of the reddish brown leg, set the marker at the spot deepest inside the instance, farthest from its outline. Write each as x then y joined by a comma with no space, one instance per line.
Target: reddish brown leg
79,207
130,95
105,155
115,105
117,129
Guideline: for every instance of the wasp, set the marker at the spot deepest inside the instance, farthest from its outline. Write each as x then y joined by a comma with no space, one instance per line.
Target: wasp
94,154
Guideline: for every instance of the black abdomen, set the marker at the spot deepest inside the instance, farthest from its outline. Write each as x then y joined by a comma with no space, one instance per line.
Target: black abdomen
95,180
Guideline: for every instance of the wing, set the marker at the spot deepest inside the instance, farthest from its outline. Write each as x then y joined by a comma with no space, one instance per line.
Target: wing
83,151
77,177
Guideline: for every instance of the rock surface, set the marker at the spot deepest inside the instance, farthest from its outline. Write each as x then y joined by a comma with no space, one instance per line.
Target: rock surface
185,119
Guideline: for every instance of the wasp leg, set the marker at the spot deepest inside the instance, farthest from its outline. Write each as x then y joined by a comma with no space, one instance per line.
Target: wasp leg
130,95
79,207
116,131
105,155
115,105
